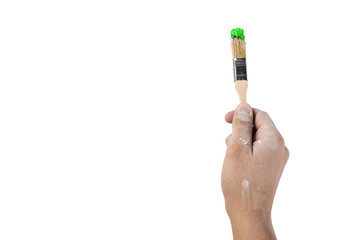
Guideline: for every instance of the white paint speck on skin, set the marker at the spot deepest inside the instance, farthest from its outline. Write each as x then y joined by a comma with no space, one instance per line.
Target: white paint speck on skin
243,141
245,185
245,195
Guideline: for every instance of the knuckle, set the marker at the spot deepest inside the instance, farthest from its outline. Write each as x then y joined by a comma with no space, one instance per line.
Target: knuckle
244,123
227,140
287,152
280,140
277,143
265,114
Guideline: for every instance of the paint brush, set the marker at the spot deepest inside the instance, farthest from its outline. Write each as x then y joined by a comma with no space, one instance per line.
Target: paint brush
239,62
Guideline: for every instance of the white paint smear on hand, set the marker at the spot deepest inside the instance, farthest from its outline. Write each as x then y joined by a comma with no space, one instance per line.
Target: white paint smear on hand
245,195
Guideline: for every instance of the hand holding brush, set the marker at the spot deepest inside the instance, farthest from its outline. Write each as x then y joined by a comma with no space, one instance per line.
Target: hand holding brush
255,159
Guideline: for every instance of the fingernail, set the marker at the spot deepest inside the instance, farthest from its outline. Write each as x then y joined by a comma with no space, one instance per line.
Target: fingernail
244,108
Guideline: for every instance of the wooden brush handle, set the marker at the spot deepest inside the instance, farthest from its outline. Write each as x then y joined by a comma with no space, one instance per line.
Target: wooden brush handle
241,88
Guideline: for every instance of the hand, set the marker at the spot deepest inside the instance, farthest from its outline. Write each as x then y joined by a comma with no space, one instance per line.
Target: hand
254,161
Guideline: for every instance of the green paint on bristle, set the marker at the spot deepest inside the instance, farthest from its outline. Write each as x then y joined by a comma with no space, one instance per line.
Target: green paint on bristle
238,33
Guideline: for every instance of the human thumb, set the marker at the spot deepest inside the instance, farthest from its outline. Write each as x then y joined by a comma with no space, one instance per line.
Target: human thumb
242,125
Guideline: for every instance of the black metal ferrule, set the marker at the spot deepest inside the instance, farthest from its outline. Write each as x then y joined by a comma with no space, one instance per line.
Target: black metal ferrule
240,69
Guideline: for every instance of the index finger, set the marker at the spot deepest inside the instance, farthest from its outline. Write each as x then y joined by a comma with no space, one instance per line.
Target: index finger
229,116
264,126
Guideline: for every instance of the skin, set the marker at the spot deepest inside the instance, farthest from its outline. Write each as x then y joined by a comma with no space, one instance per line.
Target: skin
255,159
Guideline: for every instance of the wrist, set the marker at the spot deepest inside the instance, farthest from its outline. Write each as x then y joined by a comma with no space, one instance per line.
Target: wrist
252,225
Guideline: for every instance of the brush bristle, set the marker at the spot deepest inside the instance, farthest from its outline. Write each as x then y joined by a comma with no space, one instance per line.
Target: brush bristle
238,48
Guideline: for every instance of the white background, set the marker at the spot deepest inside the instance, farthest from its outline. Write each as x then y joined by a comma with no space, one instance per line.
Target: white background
112,116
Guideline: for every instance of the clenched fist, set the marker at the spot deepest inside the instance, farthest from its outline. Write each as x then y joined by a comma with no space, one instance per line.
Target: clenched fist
255,158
